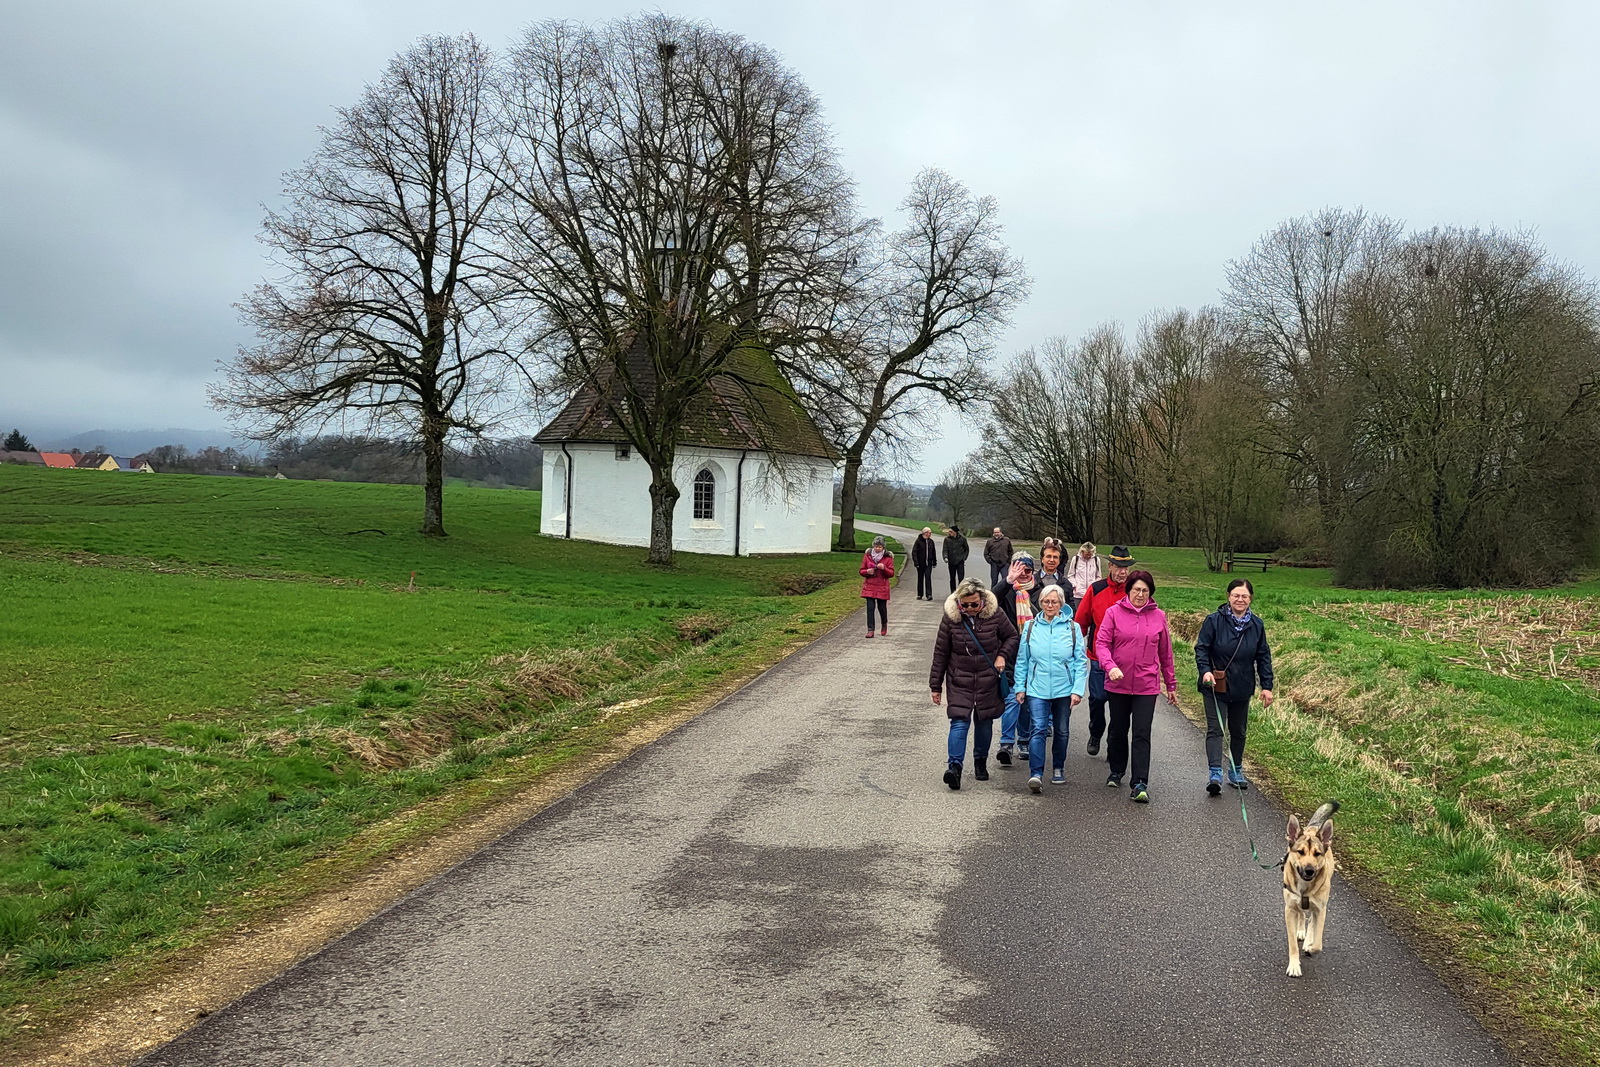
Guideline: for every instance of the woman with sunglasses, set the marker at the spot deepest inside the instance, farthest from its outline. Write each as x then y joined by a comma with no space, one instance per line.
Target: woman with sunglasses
975,643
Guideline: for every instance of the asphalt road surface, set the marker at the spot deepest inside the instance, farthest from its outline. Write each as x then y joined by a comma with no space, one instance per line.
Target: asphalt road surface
787,881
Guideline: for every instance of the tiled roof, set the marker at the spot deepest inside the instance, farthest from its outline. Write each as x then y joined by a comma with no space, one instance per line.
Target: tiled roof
90,461
58,459
750,405
32,459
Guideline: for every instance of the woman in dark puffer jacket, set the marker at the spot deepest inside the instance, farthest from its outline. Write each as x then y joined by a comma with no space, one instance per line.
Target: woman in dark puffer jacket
1231,654
976,641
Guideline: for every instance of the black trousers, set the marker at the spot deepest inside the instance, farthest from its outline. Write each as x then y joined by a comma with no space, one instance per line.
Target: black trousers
1238,720
925,581
883,609
958,571
1139,712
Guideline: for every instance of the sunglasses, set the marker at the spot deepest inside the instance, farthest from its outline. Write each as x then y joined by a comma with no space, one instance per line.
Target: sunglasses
969,605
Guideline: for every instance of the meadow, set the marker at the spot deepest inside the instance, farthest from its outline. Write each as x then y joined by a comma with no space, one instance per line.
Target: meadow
206,682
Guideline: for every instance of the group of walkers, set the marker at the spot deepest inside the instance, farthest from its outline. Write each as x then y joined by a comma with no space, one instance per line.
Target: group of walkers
1046,635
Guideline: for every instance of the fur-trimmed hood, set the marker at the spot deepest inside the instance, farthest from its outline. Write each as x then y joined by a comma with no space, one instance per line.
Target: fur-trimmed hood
991,604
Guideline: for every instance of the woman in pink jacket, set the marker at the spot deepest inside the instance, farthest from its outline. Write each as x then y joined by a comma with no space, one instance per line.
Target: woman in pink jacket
1135,649
877,567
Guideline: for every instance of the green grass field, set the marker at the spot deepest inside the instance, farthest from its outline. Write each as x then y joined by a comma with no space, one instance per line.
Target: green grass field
204,682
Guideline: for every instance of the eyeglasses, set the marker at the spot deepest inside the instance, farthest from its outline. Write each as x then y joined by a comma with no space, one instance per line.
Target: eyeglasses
969,605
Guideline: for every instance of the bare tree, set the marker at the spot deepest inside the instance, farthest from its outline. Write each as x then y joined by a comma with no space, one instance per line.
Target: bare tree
388,316
1287,294
1475,369
918,329
675,200
1176,353
958,495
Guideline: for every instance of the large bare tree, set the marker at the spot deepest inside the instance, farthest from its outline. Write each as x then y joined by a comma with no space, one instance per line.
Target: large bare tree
388,315
1288,294
916,329
675,198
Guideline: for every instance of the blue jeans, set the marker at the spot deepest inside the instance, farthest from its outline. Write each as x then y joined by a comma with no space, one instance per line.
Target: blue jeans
1014,720
1051,717
980,743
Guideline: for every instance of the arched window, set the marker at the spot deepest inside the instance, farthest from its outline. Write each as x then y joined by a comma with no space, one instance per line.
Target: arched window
705,495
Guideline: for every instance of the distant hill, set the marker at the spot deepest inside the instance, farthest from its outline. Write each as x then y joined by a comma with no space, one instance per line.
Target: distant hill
133,442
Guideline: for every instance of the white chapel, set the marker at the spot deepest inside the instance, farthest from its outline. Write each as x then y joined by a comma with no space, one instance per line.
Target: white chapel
754,473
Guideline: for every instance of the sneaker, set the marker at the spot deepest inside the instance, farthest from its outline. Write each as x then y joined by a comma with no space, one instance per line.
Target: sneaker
1140,793
1094,746
1035,783
1237,779
1214,785
952,776
869,635
980,768
1003,756
1058,778
1113,780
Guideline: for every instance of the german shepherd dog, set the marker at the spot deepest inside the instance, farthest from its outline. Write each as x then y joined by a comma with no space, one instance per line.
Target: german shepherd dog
1307,878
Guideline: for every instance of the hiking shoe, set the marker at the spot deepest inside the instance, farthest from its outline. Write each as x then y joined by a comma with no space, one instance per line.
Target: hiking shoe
1003,756
1113,780
1035,783
1140,793
952,777
1094,746
980,768
1058,778
1237,779
1214,784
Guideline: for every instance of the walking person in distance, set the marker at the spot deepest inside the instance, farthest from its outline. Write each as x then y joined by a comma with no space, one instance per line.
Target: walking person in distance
1082,572
1052,677
997,550
955,555
877,567
1135,649
974,646
924,554
1231,654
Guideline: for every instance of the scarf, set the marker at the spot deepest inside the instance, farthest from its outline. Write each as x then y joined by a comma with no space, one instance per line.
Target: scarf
1024,602
877,554
1238,623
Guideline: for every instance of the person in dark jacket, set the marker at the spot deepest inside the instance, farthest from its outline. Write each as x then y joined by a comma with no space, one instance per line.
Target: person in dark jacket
1231,653
955,556
997,550
924,554
974,646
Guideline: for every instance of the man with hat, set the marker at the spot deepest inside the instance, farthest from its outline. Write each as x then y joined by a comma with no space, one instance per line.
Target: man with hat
1091,609
1017,593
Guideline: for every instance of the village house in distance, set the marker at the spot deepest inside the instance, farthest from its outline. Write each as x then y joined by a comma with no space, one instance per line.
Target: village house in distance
755,473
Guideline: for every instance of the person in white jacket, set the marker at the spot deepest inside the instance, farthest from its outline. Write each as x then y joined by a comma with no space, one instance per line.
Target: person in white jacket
1052,676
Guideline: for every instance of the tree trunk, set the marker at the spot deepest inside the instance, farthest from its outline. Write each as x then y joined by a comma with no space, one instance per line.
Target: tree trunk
847,502
432,478
663,502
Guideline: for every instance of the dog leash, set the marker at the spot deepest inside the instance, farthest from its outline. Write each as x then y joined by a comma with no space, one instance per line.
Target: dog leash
1245,815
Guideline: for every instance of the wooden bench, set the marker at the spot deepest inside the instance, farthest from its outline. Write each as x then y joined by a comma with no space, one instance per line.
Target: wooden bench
1232,559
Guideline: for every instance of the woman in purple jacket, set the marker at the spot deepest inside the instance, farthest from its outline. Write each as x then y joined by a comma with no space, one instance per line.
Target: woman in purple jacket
1135,649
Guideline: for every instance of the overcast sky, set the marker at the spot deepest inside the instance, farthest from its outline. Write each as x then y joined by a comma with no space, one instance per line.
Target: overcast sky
1134,149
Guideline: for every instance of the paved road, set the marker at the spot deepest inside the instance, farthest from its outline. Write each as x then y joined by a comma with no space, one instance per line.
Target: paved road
787,881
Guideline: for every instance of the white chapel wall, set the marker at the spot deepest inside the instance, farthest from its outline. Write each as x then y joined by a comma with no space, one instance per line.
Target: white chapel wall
611,501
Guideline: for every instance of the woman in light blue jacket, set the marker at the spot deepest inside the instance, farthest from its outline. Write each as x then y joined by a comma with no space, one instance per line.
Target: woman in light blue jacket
1052,675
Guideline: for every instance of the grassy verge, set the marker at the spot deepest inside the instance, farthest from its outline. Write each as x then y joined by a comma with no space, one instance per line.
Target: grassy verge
1461,733
218,694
